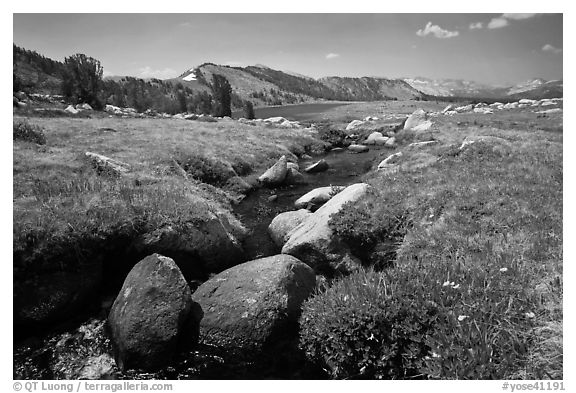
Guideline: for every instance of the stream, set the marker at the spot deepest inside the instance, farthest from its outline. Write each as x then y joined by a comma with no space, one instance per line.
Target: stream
83,347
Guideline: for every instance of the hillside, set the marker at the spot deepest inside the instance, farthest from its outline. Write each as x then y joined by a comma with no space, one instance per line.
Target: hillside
371,89
32,71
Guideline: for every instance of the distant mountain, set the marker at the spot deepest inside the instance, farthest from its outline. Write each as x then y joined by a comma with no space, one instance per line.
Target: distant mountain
536,88
264,86
370,88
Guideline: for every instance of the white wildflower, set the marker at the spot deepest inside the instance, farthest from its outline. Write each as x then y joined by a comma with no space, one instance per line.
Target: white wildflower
504,270
462,317
530,315
456,286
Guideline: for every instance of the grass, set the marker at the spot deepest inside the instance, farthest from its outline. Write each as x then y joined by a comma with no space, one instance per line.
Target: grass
484,241
65,214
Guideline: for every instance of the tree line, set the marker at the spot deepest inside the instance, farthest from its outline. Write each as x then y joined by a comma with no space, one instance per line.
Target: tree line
82,82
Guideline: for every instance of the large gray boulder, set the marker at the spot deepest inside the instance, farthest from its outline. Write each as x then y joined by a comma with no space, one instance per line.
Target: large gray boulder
152,315
417,121
283,224
354,124
253,306
317,197
314,242
276,174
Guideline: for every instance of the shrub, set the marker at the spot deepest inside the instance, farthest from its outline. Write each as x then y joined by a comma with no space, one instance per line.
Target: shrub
372,230
334,137
365,326
204,168
29,132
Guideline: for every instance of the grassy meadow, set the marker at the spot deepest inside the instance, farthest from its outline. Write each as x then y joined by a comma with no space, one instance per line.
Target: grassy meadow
462,246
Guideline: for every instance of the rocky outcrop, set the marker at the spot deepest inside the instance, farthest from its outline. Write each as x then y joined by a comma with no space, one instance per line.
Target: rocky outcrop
317,197
276,174
152,315
284,223
354,124
255,305
314,242
207,246
107,166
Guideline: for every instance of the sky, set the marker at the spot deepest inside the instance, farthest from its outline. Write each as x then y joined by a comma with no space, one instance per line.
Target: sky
498,49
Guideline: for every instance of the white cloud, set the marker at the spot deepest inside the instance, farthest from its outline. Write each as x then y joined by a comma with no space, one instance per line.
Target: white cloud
502,21
551,49
437,31
331,56
518,16
497,23
106,73
477,25
148,72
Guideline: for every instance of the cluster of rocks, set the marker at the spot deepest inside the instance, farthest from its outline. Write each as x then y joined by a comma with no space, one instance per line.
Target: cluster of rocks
278,122
308,237
21,99
284,172
484,108
75,109
250,307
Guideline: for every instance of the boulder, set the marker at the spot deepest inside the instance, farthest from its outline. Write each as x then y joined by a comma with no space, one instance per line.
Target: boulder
317,197
448,108
106,165
21,96
465,108
292,165
391,143
354,124
276,120
483,110
389,160
527,101
372,138
547,103
84,106
417,117
276,174
319,166
71,109
201,247
358,148
293,177
255,305
283,224
152,315
314,242
381,141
